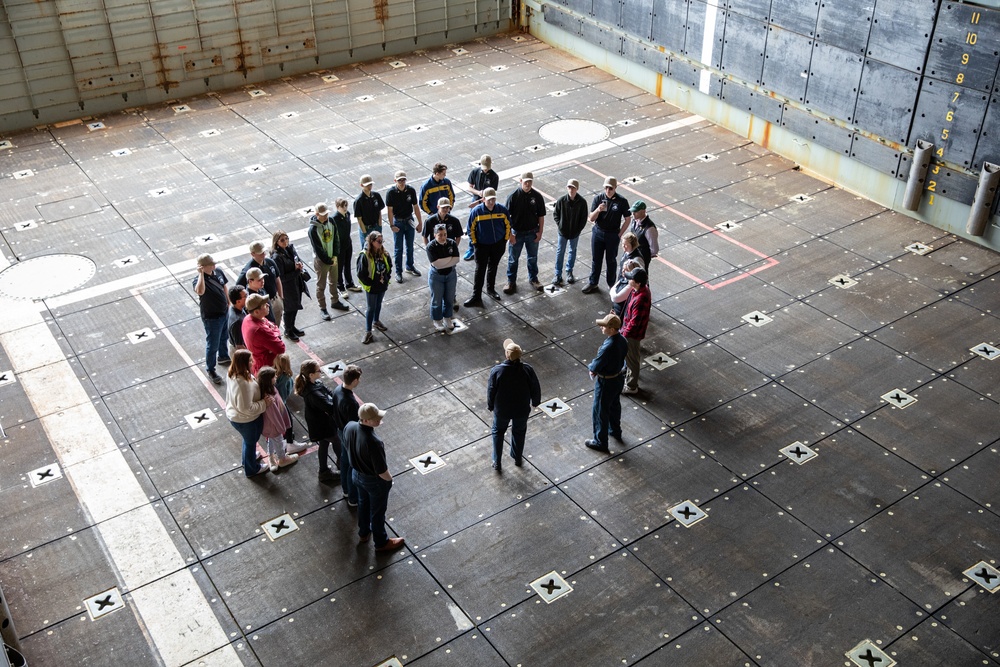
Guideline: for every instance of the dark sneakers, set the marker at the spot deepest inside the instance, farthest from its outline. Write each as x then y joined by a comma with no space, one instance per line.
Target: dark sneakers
214,377
597,447
340,306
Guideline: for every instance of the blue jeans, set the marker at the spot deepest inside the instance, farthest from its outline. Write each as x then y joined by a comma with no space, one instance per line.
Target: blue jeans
250,431
374,308
362,235
606,244
561,244
346,474
523,240
403,236
442,292
608,407
373,500
519,427
216,340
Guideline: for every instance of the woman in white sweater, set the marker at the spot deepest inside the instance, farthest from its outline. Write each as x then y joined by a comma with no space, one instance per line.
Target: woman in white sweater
245,409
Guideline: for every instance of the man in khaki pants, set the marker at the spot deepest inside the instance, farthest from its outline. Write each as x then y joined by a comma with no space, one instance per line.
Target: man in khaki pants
326,247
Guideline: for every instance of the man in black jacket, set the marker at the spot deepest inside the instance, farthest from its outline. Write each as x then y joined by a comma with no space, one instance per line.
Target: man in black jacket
511,392
527,218
570,214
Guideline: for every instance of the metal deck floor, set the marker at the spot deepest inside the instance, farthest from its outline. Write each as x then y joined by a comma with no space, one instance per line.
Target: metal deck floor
831,416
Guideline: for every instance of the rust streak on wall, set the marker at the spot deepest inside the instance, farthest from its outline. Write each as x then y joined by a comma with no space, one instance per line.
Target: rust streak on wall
381,10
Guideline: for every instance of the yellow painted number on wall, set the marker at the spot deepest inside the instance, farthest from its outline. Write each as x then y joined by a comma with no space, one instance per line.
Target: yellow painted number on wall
965,58
932,186
950,116
930,200
960,78
975,18
970,38
944,134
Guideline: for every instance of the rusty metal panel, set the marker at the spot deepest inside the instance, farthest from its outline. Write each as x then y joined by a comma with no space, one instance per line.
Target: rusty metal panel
670,24
743,51
846,24
963,50
815,129
875,154
901,32
950,117
886,101
647,56
99,82
759,104
834,78
786,63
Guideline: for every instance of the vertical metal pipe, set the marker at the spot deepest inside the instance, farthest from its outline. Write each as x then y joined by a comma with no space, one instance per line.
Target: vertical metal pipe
979,214
918,174
414,4
347,20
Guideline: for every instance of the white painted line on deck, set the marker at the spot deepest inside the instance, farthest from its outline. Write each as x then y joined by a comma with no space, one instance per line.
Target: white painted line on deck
164,593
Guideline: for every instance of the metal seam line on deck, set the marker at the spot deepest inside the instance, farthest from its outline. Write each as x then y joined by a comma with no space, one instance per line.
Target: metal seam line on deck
151,569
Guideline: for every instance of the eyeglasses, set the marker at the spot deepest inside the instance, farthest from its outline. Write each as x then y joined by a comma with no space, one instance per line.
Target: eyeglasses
379,239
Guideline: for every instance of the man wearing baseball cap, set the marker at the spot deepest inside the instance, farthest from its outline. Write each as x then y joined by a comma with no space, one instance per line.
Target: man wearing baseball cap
437,187
210,286
511,391
610,214
371,477
606,372
644,229
489,229
405,221
480,178
527,218
570,214
634,322
368,209
272,278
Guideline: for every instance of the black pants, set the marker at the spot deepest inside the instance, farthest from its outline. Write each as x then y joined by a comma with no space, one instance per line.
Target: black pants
488,257
344,277
603,246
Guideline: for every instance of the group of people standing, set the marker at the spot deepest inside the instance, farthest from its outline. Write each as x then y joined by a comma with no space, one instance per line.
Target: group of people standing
243,324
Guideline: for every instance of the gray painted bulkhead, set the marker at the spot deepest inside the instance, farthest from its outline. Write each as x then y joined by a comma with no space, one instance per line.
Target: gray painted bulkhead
63,59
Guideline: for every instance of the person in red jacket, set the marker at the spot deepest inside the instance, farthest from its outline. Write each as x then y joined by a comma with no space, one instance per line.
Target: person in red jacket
634,323
261,337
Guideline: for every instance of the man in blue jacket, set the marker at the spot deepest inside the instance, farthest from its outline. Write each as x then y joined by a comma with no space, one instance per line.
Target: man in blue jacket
511,392
609,380
489,229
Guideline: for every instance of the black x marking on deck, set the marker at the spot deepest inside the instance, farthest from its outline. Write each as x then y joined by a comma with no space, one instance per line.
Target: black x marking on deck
206,239
660,360
202,417
551,585
898,398
687,512
985,575
280,526
25,225
841,281
127,260
45,473
106,602
987,351
3,378
872,660
428,462
334,368
141,334
161,192
799,452
553,407
756,318
551,289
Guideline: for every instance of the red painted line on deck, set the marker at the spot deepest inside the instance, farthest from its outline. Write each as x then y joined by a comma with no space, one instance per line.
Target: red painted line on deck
770,261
